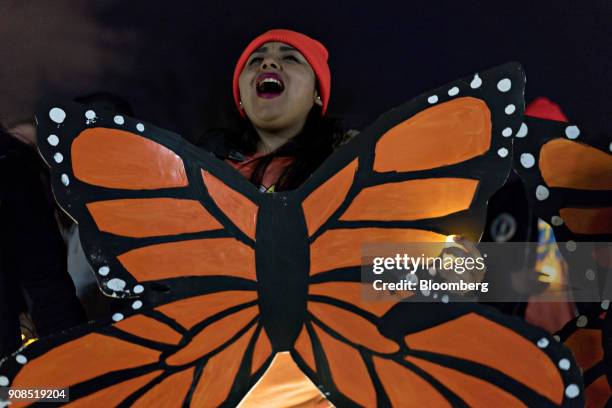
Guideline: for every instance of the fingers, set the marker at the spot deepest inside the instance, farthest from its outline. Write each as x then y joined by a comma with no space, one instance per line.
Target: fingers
455,251
460,247
468,245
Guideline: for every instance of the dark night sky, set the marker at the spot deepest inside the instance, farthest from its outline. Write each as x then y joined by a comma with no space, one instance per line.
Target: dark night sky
173,60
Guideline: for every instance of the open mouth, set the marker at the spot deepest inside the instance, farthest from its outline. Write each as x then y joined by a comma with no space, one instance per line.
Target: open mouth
269,85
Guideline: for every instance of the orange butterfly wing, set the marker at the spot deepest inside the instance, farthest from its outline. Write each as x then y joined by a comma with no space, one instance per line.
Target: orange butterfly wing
140,206
567,173
429,176
194,350
163,227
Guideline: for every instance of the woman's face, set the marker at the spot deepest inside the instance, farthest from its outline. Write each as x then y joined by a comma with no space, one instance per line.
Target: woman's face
277,87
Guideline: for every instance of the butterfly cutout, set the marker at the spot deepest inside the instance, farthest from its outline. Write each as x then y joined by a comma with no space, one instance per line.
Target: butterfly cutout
589,338
225,277
567,174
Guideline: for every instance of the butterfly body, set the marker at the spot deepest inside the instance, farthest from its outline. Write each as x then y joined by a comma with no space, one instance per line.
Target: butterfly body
282,268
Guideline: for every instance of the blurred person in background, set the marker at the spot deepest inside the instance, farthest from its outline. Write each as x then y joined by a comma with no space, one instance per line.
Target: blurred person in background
33,269
551,316
35,255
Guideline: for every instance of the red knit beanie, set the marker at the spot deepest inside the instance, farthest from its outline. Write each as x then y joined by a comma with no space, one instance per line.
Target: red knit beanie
544,108
315,53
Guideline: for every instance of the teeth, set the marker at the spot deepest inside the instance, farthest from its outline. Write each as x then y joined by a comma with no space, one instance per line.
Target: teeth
272,80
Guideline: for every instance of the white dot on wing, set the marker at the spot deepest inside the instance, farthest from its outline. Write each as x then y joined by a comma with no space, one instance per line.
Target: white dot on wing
53,140
504,85
572,132
564,364
507,132
119,120
541,193
138,289
411,278
476,82
432,99
453,91
116,284
57,115
522,131
58,157
117,317
90,114
510,109
527,160
543,342
140,127
503,152
4,381
572,391
556,220
104,270
65,180
21,359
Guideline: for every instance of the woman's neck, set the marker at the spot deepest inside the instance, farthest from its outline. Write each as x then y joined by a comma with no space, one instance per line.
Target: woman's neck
271,140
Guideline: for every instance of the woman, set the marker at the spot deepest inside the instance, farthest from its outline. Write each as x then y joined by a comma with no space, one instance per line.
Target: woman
281,87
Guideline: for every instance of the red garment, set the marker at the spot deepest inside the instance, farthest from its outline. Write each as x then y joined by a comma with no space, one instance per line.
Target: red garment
550,316
544,108
273,172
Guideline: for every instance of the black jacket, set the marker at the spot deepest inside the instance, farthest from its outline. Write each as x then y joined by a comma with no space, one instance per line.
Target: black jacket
32,252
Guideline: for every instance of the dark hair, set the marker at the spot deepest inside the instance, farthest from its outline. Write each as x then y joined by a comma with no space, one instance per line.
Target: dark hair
308,149
9,145
106,101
